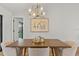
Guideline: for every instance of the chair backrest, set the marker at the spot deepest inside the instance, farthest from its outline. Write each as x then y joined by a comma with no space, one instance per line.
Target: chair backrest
38,52
7,51
70,51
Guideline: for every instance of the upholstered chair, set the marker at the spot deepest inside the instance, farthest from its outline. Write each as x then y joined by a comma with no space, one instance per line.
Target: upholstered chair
70,51
8,51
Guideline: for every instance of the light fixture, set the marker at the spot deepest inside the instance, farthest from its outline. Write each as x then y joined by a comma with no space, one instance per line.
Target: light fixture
36,12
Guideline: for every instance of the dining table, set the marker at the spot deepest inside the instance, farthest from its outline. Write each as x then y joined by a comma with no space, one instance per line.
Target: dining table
54,46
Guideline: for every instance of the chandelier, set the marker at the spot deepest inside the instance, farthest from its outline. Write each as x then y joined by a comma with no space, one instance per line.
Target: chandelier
36,12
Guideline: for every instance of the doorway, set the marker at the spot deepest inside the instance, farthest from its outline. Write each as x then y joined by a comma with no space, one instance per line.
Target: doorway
1,18
17,28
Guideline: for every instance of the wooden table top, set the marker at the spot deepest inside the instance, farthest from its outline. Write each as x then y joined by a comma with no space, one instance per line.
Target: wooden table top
53,43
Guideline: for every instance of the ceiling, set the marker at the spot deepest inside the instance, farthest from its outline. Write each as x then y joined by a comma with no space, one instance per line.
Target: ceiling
22,7
16,7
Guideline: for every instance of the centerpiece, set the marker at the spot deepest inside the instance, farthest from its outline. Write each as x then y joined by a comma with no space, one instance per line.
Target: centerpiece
38,39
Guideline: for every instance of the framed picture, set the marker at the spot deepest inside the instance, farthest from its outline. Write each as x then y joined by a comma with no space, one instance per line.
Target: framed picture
39,25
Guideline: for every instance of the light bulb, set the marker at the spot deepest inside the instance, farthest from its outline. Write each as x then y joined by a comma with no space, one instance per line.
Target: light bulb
34,14
43,13
41,8
29,10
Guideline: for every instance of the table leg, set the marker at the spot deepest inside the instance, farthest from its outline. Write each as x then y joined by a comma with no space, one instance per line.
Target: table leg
27,54
55,52
20,51
52,52
23,52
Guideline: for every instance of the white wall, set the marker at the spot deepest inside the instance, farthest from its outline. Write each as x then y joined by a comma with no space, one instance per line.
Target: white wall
63,22
7,23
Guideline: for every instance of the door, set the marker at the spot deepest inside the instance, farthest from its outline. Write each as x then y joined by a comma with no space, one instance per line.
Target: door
17,28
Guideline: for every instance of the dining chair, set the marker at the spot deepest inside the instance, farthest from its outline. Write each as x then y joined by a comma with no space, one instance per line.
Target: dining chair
38,52
7,51
70,51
